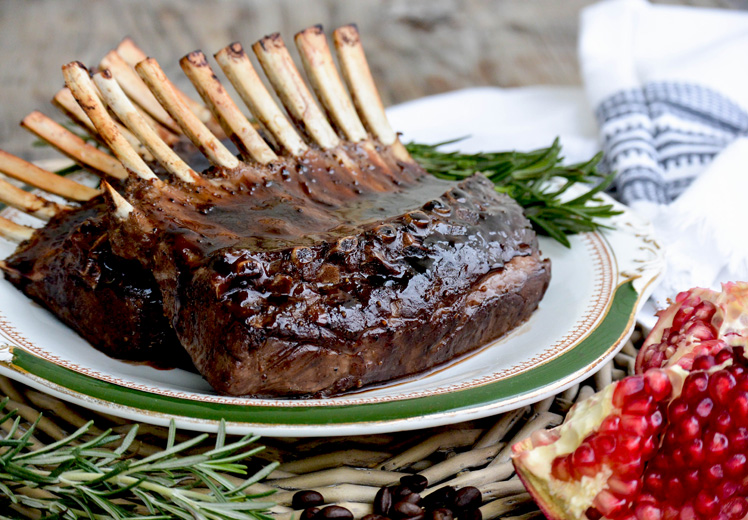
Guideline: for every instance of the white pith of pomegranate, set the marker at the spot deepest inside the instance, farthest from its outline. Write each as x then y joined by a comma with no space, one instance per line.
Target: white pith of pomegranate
701,321
668,444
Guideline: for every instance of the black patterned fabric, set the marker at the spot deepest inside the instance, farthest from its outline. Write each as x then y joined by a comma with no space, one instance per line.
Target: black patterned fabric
658,138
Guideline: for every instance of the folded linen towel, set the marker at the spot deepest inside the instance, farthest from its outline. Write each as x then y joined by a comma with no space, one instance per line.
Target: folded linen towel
670,91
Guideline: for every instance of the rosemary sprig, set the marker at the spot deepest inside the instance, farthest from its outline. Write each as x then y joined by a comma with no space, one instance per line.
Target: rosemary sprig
84,476
536,180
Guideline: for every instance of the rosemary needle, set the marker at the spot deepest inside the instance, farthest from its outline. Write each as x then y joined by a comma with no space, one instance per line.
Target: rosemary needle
537,180
83,476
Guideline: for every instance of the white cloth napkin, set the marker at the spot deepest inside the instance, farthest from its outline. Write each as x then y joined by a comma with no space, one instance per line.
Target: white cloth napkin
668,86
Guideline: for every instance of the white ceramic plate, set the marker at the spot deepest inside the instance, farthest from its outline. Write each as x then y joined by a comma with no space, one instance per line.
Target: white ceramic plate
586,316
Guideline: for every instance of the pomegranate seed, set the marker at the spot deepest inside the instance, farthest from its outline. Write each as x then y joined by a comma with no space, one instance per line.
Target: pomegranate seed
725,355
560,469
736,507
695,386
704,408
715,446
688,512
670,513
609,504
689,428
727,489
675,492
703,362
657,384
706,503
735,466
627,447
721,385
640,405
653,482
739,407
677,410
623,487
648,512
694,453
583,461
635,424
739,440
603,445
631,469
593,514
626,388
691,480
610,424
678,458
649,448
722,422
701,331
656,421
713,475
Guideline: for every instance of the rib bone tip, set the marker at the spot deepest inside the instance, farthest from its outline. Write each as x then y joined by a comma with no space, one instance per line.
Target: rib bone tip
196,58
122,208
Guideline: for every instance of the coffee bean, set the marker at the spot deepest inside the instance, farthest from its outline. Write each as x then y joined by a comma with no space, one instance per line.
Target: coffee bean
406,509
399,492
413,498
307,498
383,501
471,514
309,513
334,513
468,497
442,514
416,483
442,497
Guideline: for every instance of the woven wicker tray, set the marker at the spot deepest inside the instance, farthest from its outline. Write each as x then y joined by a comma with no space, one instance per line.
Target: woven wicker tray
348,471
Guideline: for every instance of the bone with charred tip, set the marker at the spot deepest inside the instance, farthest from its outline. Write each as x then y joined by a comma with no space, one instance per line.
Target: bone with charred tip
137,90
32,175
118,101
73,146
236,65
291,89
320,69
361,85
80,84
190,124
234,123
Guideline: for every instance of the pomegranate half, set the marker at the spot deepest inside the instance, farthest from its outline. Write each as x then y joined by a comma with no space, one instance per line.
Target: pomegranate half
671,443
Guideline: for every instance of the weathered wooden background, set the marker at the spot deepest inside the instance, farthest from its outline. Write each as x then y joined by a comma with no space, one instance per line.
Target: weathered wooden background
416,47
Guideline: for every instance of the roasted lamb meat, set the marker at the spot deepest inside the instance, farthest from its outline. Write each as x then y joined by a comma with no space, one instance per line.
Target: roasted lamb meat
320,264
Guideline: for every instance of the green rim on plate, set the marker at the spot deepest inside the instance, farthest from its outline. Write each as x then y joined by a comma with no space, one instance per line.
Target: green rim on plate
610,333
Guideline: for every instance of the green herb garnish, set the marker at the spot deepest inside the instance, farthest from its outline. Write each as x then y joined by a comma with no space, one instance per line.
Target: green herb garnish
95,476
536,180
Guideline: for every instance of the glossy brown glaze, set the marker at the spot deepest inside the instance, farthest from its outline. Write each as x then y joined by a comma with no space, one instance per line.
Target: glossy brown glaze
69,268
335,270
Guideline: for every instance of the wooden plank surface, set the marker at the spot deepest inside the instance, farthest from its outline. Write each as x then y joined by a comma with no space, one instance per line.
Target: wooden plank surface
416,47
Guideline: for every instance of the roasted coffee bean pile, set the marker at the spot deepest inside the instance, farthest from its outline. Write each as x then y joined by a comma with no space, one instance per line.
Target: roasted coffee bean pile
401,502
